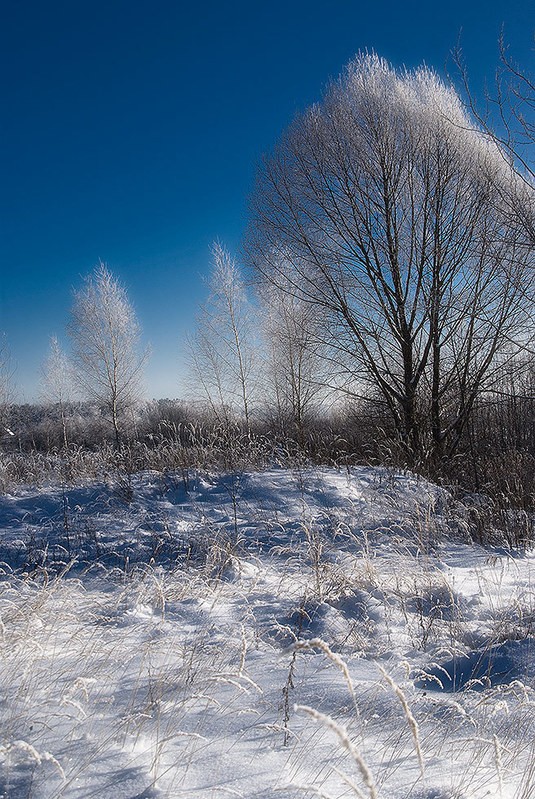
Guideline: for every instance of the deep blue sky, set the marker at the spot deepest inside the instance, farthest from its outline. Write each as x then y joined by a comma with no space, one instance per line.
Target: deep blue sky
130,132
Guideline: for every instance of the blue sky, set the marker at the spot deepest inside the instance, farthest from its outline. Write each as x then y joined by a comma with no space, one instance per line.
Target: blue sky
131,131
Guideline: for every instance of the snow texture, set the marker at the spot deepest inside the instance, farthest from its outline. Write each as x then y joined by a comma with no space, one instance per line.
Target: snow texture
278,634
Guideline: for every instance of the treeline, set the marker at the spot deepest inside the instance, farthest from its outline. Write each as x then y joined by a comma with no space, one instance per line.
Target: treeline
496,456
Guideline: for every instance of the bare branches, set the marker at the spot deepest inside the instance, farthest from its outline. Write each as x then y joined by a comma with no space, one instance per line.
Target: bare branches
508,119
295,360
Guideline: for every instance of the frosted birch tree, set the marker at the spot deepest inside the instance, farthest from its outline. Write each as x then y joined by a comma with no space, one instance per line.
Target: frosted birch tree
295,362
6,386
107,355
57,387
222,351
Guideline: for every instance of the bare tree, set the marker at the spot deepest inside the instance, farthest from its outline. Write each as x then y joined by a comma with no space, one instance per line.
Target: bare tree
57,383
221,354
106,346
6,386
387,205
293,377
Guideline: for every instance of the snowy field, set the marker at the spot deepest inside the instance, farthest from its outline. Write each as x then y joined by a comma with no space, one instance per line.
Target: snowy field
277,634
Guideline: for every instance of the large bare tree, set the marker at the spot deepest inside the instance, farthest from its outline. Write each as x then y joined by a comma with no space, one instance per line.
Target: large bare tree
387,205
106,346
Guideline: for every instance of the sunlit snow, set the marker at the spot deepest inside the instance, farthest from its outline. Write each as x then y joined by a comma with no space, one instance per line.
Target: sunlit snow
275,634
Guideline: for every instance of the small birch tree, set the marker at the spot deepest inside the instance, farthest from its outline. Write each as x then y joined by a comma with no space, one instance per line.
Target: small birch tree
221,353
294,377
107,356
6,387
57,383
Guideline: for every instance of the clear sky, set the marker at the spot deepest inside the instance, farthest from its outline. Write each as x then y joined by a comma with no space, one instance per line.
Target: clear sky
130,132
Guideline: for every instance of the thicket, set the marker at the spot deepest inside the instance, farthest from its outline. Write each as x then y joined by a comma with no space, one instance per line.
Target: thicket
496,459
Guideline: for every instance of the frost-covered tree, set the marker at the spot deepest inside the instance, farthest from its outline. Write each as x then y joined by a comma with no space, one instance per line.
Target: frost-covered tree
107,356
295,359
57,383
388,206
6,386
222,352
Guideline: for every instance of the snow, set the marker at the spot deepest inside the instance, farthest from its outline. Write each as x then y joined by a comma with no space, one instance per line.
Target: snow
273,634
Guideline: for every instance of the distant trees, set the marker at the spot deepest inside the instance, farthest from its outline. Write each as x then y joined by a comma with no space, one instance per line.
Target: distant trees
6,387
255,360
383,208
57,383
107,358
222,351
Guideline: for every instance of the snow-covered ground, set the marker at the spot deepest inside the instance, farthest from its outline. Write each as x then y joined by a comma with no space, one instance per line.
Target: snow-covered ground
276,634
